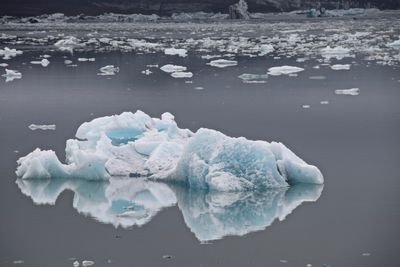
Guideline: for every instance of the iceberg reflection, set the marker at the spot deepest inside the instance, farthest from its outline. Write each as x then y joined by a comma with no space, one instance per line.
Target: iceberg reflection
209,215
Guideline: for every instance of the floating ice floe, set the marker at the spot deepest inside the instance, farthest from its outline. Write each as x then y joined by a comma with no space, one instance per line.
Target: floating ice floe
11,75
266,49
108,70
338,52
394,44
83,59
86,263
146,72
8,53
175,51
324,102
253,78
341,67
284,70
210,215
3,65
180,74
352,91
42,127
68,44
136,145
169,68
222,63
44,62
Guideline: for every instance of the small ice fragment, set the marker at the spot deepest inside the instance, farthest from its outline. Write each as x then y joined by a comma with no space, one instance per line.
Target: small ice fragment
83,59
167,256
395,44
352,91
42,127
68,44
87,263
317,77
45,56
222,63
174,51
108,70
265,49
44,62
169,68
336,52
76,264
188,81
152,66
199,88
180,74
309,265
324,102
8,53
340,67
147,72
316,67
3,65
12,75
283,261
366,254
18,262
249,76
285,70
305,106
67,62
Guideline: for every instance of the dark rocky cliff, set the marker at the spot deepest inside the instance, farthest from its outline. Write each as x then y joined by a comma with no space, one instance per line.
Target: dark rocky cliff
167,7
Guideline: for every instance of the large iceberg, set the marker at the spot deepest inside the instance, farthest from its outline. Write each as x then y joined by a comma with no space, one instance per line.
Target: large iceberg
136,145
210,215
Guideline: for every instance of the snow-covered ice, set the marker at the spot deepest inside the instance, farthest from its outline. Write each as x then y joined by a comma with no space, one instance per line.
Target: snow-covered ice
180,74
169,68
351,91
338,52
11,75
222,63
134,144
284,70
68,44
394,44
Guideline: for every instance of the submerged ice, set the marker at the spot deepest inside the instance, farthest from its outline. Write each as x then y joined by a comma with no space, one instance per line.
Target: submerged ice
136,145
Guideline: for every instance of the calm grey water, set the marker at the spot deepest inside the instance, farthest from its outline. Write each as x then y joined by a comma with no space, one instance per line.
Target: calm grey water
354,140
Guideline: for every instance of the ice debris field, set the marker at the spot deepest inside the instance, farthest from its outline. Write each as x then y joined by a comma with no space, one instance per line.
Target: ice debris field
136,145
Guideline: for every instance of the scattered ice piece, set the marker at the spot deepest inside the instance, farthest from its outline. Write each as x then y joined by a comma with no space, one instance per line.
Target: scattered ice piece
12,75
8,53
42,127
87,263
3,65
366,254
108,70
324,102
352,91
44,62
239,10
340,67
222,63
309,265
283,261
152,66
285,70
316,67
147,72
305,106
67,62
317,77
18,262
169,68
336,52
83,59
250,77
174,51
180,74
134,144
45,56
167,256
75,263
189,82
199,88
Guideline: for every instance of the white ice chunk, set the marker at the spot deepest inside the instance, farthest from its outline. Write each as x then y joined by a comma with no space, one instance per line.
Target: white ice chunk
341,67
266,49
338,52
352,91
222,63
285,70
394,44
108,70
11,75
175,51
8,53
68,44
44,62
181,74
42,127
169,68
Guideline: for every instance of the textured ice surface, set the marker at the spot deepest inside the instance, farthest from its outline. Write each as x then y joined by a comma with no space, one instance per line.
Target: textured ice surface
124,202
338,52
340,67
284,70
42,127
136,145
175,51
180,74
8,53
108,70
169,68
